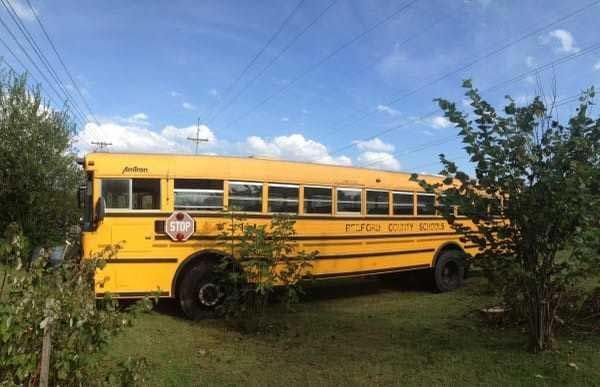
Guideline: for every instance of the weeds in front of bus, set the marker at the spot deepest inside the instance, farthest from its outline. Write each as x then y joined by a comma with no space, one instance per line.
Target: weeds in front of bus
264,264
39,300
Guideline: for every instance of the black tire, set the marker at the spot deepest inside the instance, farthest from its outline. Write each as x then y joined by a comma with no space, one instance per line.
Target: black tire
449,271
199,292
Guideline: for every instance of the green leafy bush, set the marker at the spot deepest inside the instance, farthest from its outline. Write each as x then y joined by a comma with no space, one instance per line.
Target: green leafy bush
264,263
534,199
38,297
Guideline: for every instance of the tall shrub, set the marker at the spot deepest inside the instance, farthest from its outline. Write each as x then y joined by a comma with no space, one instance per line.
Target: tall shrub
534,194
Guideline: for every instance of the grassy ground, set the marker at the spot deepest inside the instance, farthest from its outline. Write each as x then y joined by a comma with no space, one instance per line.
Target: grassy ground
358,332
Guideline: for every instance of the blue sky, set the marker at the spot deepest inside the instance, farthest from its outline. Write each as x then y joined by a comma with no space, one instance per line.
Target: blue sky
149,70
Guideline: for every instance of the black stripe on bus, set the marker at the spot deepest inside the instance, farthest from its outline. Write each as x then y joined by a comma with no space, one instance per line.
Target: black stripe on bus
163,215
365,272
377,254
327,237
133,294
142,260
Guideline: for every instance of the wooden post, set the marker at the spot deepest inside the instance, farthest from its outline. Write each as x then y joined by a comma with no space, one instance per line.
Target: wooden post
46,350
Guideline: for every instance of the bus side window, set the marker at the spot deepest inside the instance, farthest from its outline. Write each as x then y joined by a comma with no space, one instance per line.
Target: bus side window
349,200
425,204
245,197
198,194
116,193
317,200
283,198
146,194
403,203
378,202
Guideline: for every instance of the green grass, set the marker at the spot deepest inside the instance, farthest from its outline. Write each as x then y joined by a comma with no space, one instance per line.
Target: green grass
358,333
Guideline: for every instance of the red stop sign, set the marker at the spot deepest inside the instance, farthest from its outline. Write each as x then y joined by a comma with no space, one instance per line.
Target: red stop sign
180,226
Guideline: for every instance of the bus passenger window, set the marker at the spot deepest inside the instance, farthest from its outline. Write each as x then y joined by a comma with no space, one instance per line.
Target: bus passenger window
198,194
116,193
245,197
377,203
146,194
348,200
283,198
403,203
425,204
317,200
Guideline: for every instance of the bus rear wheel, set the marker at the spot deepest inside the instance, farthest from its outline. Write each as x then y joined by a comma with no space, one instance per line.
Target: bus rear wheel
199,292
449,271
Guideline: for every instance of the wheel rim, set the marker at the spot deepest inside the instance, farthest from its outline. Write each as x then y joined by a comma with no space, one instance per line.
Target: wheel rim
209,294
450,274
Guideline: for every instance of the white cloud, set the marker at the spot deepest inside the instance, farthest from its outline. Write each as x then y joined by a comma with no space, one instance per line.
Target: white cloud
188,106
124,138
284,119
565,39
530,61
23,11
597,65
292,147
439,122
173,93
139,117
172,139
381,160
387,109
374,145
393,62
180,135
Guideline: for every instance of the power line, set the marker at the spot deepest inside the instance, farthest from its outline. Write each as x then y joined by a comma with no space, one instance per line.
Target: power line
589,49
275,58
101,145
261,51
448,139
315,66
9,49
473,62
38,52
75,85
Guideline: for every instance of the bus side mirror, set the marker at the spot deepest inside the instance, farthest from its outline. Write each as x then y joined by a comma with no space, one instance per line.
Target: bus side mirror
81,196
100,209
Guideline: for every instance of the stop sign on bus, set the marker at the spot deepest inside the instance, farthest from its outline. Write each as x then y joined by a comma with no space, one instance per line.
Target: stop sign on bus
180,226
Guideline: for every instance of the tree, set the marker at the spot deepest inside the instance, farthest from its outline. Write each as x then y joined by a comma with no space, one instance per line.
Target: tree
534,201
38,172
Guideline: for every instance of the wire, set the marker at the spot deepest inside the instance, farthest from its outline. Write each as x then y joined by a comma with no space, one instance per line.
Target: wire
325,59
588,50
259,53
36,49
448,139
473,62
275,58
75,85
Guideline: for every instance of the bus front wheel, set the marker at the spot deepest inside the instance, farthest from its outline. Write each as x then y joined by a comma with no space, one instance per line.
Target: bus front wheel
199,292
449,271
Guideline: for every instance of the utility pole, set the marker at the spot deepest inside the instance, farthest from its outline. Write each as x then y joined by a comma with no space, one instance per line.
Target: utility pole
100,145
197,140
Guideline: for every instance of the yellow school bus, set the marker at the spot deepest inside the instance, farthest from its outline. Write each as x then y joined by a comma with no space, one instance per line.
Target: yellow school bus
361,221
